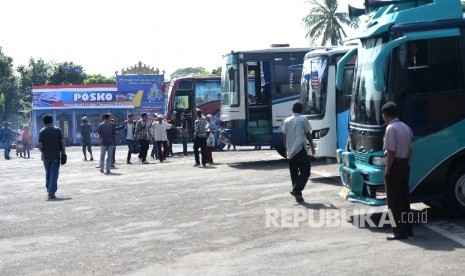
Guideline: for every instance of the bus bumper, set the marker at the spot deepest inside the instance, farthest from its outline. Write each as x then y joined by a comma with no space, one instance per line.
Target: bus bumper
362,183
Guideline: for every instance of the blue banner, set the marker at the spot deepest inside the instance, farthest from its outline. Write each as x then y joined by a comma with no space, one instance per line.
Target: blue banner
150,86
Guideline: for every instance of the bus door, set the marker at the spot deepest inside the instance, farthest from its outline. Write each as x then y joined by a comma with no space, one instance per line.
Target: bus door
184,102
259,118
343,107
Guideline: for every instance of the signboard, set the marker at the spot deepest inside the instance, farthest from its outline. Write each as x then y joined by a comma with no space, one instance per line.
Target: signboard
146,87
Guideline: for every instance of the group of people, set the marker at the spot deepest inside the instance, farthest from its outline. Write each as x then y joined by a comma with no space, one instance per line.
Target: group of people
296,134
398,151
22,139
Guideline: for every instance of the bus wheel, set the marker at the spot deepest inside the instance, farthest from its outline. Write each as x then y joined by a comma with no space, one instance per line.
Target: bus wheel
281,151
455,194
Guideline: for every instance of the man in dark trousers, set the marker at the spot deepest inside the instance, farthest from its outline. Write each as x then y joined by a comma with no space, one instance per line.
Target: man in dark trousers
106,132
200,139
398,151
296,132
51,143
143,135
6,137
86,130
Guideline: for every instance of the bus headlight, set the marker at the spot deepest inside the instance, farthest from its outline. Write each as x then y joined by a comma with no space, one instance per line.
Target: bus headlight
339,156
348,159
317,134
378,161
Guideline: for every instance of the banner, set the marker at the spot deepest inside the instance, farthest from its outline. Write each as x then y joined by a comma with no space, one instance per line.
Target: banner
148,88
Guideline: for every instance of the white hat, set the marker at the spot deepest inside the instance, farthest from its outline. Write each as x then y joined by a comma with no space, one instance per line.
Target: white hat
159,116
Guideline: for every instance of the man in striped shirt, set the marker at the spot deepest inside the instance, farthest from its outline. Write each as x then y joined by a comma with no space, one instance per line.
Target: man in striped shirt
200,139
296,132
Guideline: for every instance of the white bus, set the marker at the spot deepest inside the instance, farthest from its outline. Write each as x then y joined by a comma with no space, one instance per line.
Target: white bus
253,111
326,107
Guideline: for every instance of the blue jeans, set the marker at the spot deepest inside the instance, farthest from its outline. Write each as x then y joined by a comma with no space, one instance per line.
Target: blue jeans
7,149
52,169
109,151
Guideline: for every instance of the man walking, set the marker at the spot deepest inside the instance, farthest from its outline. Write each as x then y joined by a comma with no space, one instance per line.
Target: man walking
6,137
107,132
398,151
85,138
51,143
296,132
143,135
130,129
200,139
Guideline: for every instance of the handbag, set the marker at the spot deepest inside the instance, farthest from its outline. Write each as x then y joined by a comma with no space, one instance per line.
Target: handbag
63,158
135,147
211,140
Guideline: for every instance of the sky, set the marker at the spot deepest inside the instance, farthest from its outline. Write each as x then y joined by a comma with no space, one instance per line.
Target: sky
104,36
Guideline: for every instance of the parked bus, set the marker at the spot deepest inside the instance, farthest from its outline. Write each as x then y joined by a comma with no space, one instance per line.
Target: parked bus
326,107
412,53
253,111
188,93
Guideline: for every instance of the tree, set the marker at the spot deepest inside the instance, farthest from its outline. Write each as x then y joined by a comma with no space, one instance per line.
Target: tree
325,22
9,101
67,73
99,79
36,73
216,71
189,72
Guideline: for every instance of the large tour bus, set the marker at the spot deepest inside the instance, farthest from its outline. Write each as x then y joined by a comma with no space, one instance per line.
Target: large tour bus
326,107
412,53
188,93
253,111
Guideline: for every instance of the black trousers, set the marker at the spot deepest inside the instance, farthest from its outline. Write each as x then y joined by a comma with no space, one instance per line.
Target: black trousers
200,142
162,152
144,148
129,142
398,195
299,167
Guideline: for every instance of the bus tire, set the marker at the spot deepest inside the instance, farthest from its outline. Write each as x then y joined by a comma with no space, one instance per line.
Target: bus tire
281,151
455,193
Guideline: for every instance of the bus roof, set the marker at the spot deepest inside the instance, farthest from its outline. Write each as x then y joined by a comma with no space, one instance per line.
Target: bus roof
334,50
277,50
210,77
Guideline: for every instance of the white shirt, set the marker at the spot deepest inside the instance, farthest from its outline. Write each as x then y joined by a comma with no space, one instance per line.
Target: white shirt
159,130
129,130
295,128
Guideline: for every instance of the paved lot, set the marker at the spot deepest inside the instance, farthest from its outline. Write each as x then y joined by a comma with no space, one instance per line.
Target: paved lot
235,217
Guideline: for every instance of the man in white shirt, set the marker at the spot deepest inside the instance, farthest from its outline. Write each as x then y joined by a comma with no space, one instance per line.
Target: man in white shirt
296,132
159,127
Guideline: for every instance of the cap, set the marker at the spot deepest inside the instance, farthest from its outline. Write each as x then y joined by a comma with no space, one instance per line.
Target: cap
6,123
84,118
143,114
160,116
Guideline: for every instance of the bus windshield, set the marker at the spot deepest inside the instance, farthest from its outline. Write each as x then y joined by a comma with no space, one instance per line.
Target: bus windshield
314,82
366,100
229,78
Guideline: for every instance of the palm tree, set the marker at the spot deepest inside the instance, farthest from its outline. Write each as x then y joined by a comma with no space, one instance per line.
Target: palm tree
325,22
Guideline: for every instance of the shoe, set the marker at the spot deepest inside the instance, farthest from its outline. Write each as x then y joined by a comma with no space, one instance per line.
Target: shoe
113,166
145,162
197,164
51,196
397,237
107,173
85,159
128,162
298,197
101,171
91,159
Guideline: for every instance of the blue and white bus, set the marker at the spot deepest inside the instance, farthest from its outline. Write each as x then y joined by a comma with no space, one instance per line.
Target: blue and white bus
253,111
412,53
326,107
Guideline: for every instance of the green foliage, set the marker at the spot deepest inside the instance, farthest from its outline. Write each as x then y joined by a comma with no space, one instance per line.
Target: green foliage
189,72
36,73
99,79
217,71
7,87
2,105
326,23
67,73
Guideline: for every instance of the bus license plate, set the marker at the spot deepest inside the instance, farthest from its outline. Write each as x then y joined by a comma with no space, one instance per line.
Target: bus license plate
344,193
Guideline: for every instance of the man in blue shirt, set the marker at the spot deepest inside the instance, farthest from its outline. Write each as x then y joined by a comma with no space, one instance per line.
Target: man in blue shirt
106,132
6,137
